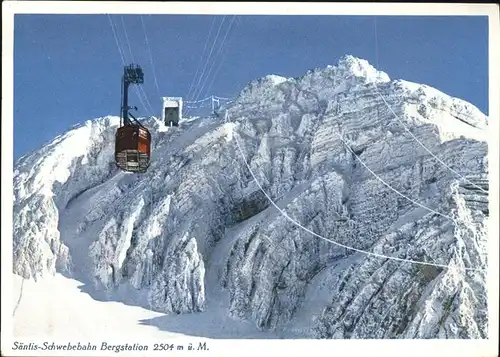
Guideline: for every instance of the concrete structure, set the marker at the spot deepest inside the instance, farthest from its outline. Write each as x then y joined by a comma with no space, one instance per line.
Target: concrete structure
172,110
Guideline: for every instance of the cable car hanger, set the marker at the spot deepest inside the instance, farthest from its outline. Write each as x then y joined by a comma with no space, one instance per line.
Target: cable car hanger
132,138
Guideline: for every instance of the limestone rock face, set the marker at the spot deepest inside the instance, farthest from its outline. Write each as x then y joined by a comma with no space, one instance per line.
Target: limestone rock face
330,149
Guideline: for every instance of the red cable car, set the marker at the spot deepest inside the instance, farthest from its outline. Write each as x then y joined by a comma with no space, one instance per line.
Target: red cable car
132,139
133,148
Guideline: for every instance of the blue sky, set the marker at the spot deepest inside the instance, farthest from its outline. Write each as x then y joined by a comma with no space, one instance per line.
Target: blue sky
67,68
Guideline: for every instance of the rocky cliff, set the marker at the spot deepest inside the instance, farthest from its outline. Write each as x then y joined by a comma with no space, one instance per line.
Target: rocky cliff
344,151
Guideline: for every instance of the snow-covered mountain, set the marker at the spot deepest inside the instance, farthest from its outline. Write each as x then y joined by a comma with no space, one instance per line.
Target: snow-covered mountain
336,150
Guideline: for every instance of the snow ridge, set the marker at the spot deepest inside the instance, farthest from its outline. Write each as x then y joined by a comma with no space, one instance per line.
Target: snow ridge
196,231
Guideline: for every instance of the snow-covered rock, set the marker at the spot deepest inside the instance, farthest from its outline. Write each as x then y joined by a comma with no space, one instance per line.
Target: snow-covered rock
330,148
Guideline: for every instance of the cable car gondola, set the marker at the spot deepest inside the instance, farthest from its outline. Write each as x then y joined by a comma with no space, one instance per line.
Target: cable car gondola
132,139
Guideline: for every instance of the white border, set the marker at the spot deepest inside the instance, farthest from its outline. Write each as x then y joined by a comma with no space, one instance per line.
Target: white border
276,347
246,8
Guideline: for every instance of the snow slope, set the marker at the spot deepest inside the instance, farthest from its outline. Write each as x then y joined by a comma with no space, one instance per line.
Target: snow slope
61,310
195,236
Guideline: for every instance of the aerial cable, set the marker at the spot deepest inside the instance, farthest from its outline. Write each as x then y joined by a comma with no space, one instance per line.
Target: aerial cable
139,91
122,52
373,173
406,127
222,98
150,57
221,63
216,55
298,224
339,244
127,39
149,107
122,56
194,95
201,58
197,101
114,28
389,186
197,104
421,144
119,40
208,59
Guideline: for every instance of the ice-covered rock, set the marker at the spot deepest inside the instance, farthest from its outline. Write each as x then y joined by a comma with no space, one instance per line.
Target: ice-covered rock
330,148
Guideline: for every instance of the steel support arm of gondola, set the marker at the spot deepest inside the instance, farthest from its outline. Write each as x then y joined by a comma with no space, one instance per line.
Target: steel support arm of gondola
125,107
135,120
